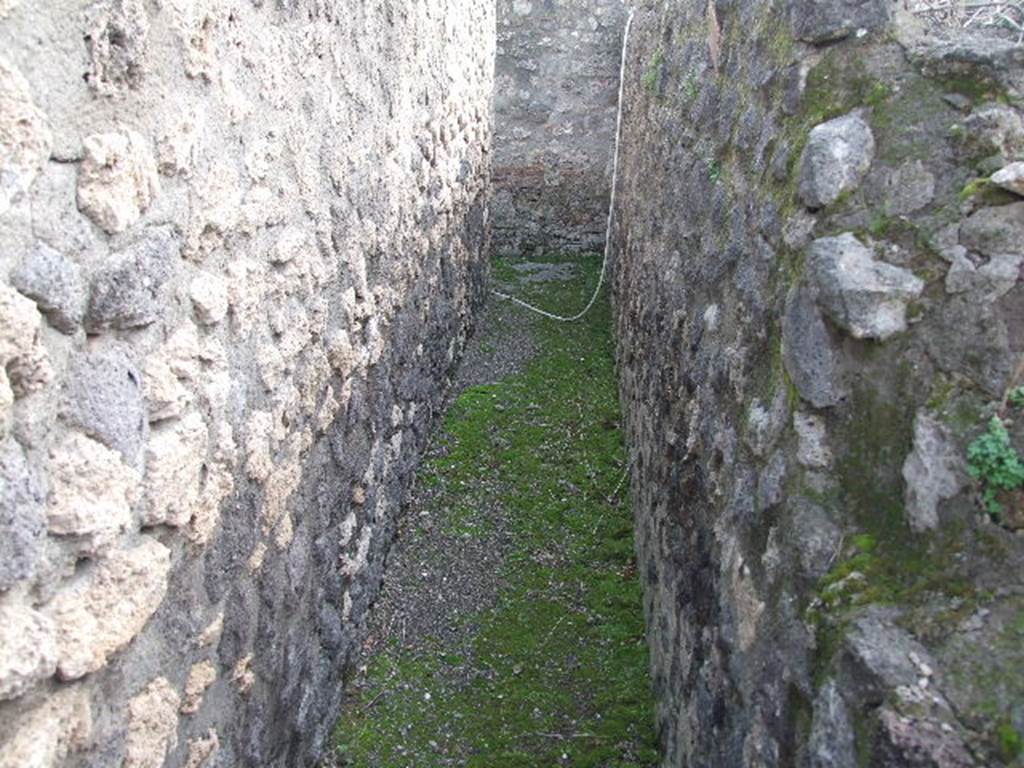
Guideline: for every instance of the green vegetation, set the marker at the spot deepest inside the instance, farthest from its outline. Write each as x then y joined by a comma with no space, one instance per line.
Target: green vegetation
652,76
1016,397
986,192
1011,744
993,461
560,675
714,170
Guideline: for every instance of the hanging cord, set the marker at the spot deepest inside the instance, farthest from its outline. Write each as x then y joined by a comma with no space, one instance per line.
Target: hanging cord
611,206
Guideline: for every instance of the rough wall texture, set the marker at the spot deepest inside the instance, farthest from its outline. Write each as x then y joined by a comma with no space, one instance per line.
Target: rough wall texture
556,98
239,246
819,308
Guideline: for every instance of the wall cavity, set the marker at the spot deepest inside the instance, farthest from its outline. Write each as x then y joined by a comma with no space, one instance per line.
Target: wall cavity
240,245
819,243
556,99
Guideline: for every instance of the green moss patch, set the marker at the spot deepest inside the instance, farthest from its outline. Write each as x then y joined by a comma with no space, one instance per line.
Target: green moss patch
555,673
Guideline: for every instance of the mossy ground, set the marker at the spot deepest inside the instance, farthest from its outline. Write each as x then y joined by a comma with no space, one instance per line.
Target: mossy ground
554,671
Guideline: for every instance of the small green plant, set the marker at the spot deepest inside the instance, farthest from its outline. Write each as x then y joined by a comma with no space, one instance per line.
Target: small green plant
994,462
653,74
1016,397
714,170
1010,742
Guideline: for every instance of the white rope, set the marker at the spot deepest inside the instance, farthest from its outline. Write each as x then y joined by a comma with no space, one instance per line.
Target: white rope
611,206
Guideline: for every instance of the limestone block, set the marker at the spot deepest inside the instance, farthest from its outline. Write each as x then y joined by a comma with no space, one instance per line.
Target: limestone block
102,612
152,725
209,295
200,677
995,231
218,484
7,6
837,156
174,465
55,284
220,199
865,297
176,146
289,246
26,361
823,21
25,138
1011,178
183,353
117,180
28,650
91,492
933,471
166,396
243,676
127,292
103,398
22,517
118,45
202,749
45,736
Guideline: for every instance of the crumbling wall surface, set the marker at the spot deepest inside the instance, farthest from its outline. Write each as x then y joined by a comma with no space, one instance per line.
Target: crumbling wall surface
240,245
820,307
555,104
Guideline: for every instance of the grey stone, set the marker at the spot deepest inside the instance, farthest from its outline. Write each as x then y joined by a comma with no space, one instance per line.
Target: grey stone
812,441
910,188
996,129
971,339
958,101
837,156
821,21
55,284
995,231
103,398
127,293
914,741
22,517
865,297
880,657
815,537
992,280
765,424
1011,178
771,482
933,471
809,352
832,740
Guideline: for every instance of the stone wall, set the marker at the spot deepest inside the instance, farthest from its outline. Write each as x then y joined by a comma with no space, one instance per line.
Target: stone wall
820,306
240,244
555,104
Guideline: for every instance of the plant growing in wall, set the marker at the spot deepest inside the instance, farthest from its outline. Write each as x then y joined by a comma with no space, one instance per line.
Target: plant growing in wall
653,73
995,463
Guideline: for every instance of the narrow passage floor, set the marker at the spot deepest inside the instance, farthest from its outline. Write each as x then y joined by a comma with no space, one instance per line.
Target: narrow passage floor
509,633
